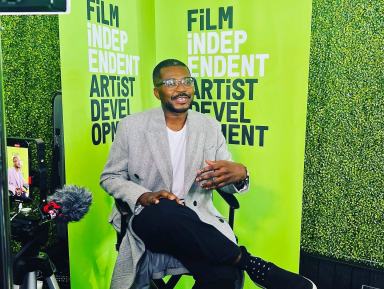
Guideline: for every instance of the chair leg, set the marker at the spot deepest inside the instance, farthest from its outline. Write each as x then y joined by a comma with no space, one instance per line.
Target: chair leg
158,284
172,282
30,281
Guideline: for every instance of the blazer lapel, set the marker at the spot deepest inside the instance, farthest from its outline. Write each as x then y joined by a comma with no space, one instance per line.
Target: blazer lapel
157,139
194,151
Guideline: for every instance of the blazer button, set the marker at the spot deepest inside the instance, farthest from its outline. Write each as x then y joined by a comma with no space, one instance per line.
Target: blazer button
136,176
221,220
195,203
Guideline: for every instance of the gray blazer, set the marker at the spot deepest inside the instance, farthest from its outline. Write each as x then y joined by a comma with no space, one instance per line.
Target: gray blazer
139,162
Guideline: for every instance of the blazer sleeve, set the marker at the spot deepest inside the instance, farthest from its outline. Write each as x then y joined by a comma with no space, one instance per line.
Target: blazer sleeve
222,153
115,176
11,181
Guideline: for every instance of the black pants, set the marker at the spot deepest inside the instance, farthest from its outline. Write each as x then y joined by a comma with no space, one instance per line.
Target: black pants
177,230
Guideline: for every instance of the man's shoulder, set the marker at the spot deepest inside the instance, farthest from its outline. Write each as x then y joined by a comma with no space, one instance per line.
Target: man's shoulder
11,170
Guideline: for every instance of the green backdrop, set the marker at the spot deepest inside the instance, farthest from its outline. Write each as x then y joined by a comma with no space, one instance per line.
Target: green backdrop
97,92
345,58
268,222
264,117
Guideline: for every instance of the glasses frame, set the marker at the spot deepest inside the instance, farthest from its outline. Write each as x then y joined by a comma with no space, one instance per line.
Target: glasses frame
178,82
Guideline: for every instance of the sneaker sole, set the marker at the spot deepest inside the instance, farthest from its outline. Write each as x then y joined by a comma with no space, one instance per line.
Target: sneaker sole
259,285
313,284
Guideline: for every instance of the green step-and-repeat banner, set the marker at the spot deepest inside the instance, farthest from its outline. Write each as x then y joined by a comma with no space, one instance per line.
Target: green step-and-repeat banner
250,60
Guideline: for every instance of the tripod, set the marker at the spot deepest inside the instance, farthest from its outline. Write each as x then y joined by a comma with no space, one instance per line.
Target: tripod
30,260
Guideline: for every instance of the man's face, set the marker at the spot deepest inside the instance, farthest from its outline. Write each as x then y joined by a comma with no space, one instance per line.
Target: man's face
16,162
175,99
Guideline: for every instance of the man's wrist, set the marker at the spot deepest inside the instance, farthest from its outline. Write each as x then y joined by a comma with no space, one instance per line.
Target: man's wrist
246,176
140,199
243,182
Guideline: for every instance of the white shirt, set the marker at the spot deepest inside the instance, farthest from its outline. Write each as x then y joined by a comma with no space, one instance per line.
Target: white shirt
177,145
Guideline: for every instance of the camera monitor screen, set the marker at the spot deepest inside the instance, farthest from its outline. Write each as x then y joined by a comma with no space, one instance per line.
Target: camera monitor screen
18,170
34,6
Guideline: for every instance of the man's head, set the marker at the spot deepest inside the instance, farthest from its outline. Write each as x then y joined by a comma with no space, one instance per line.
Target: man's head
16,161
173,85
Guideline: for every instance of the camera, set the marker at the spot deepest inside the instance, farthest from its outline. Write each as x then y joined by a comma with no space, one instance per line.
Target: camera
34,6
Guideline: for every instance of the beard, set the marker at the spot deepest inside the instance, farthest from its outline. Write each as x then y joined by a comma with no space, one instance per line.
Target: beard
168,105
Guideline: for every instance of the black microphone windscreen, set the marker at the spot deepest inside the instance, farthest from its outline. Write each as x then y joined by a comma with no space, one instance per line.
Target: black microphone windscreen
74,201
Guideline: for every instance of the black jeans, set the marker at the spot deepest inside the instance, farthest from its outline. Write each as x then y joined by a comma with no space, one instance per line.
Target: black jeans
177,230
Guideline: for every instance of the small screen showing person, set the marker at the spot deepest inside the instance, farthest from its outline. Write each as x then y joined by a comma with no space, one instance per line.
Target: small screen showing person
18,172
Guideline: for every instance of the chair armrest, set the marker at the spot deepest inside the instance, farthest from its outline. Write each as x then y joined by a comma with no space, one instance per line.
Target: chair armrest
230,199
122,207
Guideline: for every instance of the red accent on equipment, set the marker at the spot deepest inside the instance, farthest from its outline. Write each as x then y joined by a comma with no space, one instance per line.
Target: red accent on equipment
50,206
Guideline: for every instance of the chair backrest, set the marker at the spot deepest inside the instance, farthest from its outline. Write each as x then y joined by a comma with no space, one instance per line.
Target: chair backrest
121,207
233,204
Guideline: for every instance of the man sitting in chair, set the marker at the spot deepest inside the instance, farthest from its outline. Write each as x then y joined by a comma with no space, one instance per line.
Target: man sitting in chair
164,163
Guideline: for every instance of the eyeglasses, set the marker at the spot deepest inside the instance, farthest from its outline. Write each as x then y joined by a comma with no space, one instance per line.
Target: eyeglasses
173,83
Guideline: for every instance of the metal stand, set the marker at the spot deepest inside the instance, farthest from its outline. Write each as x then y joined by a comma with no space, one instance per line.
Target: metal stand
5,248
30,259
27,279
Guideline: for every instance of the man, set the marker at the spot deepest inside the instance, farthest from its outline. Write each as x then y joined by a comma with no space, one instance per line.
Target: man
16,183
164,164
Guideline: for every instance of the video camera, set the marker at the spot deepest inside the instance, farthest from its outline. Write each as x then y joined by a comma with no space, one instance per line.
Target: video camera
34,6
30,225
21,176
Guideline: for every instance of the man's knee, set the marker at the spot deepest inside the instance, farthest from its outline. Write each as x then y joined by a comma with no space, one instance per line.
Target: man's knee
164,210
157,215
167,205
156,220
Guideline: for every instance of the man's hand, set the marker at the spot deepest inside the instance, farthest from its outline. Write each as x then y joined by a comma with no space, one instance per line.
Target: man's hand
218,174
153,198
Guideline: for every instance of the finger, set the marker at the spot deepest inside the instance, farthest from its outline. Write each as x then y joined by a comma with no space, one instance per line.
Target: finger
167,195
173,197
212,186
220,185
210,165
209,175
215,186
219,177
152,200
204,169
216,164
205,176
202,174
218,167
208,184
214,182
209,162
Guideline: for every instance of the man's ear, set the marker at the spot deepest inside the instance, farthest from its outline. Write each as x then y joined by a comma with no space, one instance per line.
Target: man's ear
156,92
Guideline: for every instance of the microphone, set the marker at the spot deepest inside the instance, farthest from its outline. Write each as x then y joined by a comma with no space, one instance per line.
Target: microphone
68,204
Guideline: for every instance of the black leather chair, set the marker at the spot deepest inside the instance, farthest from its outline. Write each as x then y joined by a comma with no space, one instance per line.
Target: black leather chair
230,199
